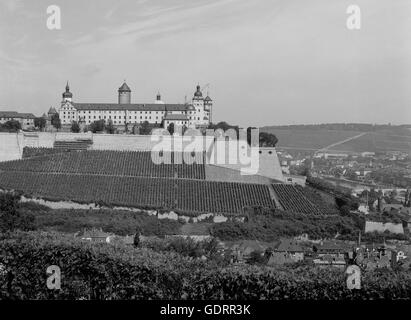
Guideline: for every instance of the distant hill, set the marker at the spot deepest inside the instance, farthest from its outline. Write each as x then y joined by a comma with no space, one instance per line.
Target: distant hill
343,137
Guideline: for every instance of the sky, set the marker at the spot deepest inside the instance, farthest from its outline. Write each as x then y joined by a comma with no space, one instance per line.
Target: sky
263,62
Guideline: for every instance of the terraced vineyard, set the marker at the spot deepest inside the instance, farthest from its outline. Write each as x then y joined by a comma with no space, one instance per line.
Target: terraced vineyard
294,200
190,196
116,163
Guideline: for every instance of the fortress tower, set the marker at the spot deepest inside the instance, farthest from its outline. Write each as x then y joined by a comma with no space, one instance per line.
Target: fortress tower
67,95
124,94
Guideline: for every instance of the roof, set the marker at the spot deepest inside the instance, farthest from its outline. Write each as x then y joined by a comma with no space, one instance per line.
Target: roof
332,246
176,117
131,106
290,246
208,99
14,114
124,87
52,110
26,115
8,114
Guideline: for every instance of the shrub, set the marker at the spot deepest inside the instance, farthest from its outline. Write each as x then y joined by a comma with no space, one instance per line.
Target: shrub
101,271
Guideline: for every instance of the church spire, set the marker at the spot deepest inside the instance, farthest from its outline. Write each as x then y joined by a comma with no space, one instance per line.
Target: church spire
67,95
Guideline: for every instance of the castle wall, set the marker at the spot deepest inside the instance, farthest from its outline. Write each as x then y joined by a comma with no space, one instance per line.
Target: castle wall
10,148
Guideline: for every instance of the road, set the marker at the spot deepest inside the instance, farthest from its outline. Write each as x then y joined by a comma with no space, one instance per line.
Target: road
342,141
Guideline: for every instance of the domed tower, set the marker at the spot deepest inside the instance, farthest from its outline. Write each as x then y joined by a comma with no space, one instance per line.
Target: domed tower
198,95
124,94
67,95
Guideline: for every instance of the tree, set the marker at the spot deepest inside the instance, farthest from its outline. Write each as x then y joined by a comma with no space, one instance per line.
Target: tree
170,128
97,126
75,127
268,140
137,237
345,210
110,127
11,126
257,257
145,128
55,121
10,217
40,123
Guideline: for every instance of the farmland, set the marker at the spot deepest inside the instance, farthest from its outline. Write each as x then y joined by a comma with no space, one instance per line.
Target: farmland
189,196
134,164
292,199
310,139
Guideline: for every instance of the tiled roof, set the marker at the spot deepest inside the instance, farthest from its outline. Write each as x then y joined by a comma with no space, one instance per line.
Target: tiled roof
124,87
131,106
181,117
13,114
290,246
8,114
26,115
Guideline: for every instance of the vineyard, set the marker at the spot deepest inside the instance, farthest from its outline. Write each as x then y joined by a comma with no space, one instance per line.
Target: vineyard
73,145
116,163
292,199
29,152
136,178
108,272
186,196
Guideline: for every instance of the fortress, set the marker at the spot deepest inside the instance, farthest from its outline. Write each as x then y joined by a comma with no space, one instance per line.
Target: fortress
124,114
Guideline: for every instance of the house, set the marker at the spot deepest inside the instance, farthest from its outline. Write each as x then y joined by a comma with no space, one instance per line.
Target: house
26,120
371,258
242,249
288,251
332,253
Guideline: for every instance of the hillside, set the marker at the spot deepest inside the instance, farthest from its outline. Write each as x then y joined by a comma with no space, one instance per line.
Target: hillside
339,138
132,179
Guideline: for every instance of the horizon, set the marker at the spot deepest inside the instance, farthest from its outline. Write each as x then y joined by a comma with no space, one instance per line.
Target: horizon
267,63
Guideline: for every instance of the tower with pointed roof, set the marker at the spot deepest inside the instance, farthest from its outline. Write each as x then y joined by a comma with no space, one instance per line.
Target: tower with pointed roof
67,95
202,109
124,94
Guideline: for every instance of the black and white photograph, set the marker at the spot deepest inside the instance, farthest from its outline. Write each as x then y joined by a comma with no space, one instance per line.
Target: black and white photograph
205,155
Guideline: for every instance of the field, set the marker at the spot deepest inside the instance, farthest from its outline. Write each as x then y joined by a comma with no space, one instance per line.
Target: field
114,163
188,196
310,139
377,142
292,199
132,179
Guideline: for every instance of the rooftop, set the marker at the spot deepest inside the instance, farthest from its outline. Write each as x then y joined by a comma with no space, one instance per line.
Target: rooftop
181,117
14,114
132,106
